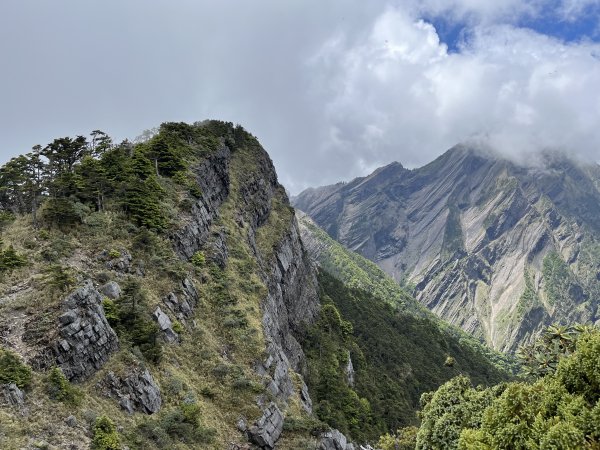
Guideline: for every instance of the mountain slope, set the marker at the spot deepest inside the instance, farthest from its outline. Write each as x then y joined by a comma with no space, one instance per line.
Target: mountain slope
155,298
397,350
159,295
493,247
359,273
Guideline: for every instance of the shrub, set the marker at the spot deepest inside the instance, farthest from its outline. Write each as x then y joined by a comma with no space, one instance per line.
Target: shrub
62,212
10,260
404,439
12,370
59,279
130,318
177,327
181,424
59,388
453,407
114,254
105,436
110,311
198,260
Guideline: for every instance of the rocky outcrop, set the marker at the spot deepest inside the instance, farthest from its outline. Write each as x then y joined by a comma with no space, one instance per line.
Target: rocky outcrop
165,325
266,431
292,301
217,251
212,176
136,392
12,396
111,289
86,340
117,260
334,440
182,304
472,232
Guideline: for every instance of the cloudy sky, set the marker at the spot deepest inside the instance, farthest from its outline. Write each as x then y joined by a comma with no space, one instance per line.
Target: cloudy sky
332,88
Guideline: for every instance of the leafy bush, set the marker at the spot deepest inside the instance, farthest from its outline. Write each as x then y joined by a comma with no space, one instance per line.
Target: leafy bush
63,212
403,439
177,327
105,436
198,259
560,410
453,407
12,370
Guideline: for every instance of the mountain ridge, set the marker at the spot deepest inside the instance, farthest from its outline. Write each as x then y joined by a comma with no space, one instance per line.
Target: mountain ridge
466,228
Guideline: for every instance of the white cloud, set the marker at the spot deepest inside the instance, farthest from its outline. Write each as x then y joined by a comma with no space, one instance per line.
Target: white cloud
332,89
399,94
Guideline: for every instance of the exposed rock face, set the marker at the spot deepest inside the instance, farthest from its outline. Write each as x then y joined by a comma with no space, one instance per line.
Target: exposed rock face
212,175
334,440
136,392
12,395
111,289
183,303
120,263
474,232
86,340
165,325
217,248
349,371
292,300
266,431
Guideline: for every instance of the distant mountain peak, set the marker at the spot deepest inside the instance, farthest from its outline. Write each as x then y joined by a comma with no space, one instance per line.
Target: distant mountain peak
477,231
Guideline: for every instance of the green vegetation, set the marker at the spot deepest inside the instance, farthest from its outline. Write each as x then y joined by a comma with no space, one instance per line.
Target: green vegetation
396,357
180,424
358,272
13,370
105,436
66,181
95,204
198,259
558,410
130,318
542,357
453,234
59,279
557,277
529,298
403,439
59,388
10,259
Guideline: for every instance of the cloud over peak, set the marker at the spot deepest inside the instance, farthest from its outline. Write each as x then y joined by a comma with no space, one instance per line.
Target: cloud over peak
332,89
400,94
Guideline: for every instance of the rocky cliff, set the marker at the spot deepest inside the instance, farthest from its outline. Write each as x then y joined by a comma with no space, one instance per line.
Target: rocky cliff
497,248
184,333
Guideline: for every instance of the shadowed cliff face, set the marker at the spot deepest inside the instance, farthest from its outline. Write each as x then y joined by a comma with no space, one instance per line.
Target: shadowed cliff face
497,249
